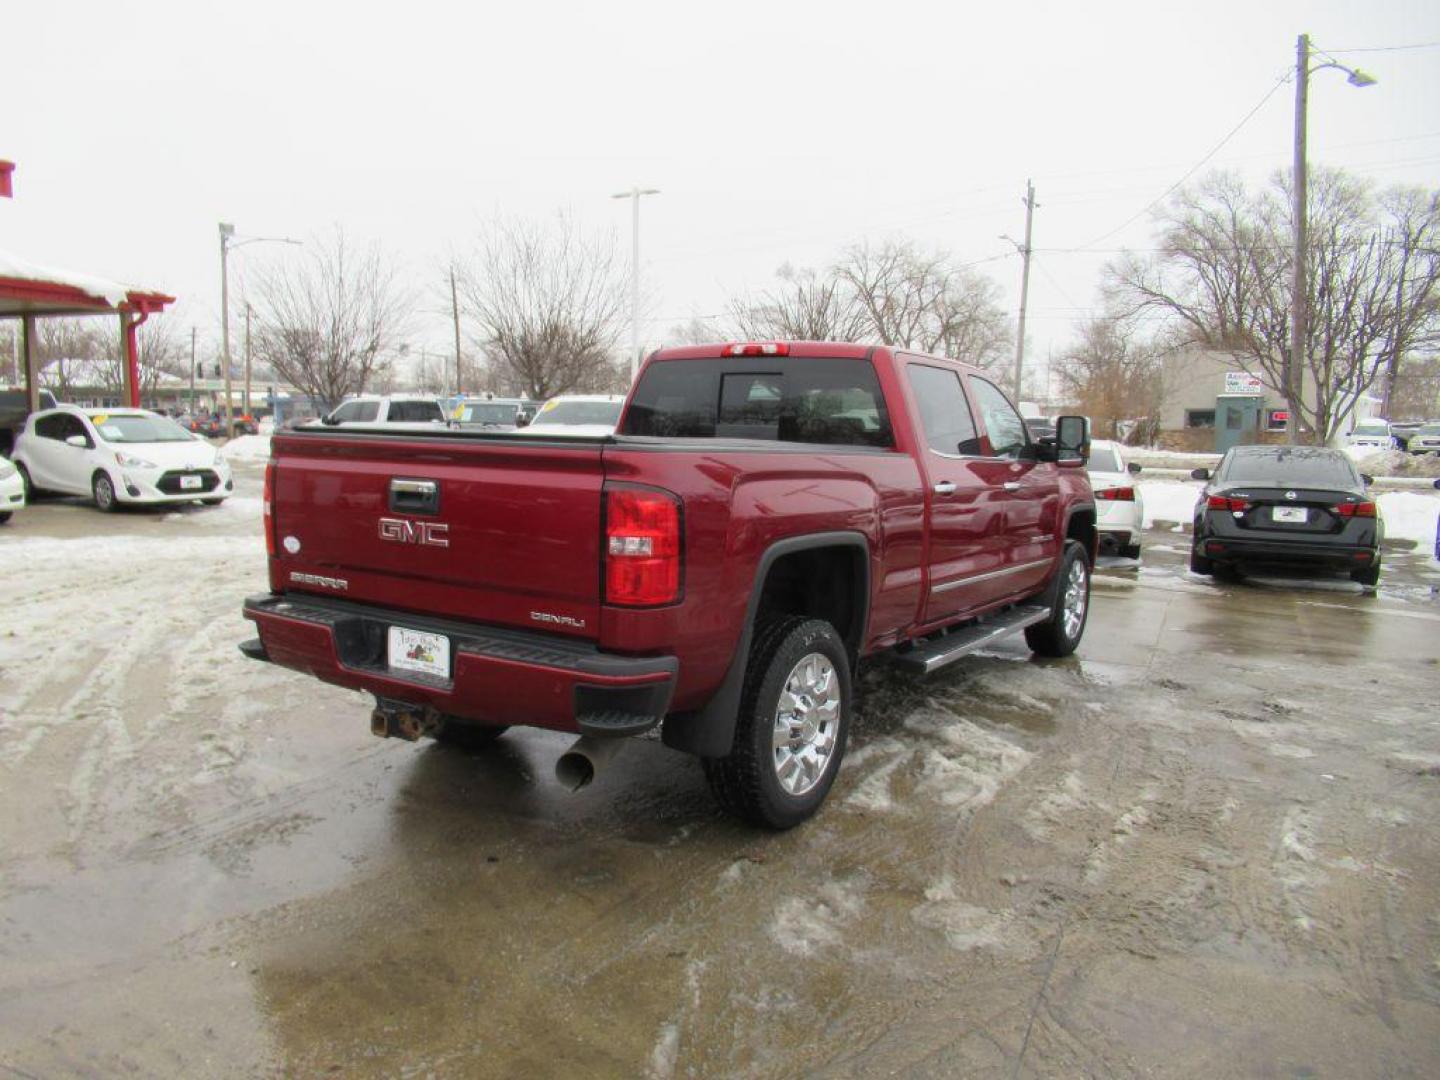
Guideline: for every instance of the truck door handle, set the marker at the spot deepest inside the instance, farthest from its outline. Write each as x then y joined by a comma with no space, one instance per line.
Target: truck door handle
945,487
414,496
1012,485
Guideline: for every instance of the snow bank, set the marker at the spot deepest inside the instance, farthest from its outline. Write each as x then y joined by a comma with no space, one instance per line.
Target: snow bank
248,448
1169,500
1410,515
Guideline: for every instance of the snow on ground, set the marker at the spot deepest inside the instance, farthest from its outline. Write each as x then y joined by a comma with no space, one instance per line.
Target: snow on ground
1410,515
248,448
1169,500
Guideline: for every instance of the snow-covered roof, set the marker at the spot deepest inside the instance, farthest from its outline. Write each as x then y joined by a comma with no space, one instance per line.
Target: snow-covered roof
31,286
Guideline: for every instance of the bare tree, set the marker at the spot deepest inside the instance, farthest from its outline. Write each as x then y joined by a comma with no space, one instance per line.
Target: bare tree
329,322
1222,274
1413,229
700,330
548,304
1115,378
926,302
807,306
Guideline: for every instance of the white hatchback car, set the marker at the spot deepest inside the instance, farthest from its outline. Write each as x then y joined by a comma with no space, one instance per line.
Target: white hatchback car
1121,511
12,490
577,414
120,456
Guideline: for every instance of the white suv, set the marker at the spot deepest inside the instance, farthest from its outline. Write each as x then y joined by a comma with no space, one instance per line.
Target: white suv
392,409
119,456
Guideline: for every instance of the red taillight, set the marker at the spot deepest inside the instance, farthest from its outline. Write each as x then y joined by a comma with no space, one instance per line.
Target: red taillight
1126,494
756,348
1220,502
1356,509
268,509
642,547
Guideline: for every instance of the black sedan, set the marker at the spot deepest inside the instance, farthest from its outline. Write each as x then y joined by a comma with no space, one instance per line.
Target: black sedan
1297,505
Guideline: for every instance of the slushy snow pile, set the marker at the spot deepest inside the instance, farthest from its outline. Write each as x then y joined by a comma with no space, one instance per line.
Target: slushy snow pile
248,448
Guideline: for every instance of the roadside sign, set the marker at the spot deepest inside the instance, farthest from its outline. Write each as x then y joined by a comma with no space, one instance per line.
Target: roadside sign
1242,382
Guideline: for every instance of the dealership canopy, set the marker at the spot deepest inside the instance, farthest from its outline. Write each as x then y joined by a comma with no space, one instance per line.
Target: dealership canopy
29,291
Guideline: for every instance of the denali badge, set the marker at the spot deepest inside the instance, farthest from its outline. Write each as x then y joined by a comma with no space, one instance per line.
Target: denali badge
316,579
402,531
560,620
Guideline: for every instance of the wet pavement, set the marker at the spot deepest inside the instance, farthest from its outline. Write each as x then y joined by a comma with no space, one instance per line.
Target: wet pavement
1205,846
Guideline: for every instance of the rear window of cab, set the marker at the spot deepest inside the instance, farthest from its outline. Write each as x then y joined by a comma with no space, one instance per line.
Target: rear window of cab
781,399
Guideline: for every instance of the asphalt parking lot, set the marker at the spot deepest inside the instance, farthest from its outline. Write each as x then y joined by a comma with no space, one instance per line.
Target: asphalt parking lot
1205,846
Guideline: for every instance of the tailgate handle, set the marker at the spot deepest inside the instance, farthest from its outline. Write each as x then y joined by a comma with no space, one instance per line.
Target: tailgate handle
414,496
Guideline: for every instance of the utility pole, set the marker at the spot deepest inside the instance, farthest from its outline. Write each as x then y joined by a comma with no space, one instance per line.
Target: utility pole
1024,285
455,311
248,312
226,232
634,196
1299,312
192,371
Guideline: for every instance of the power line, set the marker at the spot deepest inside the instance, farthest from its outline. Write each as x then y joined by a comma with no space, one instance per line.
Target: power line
1198,165
1393,48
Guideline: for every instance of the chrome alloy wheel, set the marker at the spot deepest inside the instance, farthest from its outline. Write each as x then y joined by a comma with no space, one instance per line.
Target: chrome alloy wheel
807,718
1072,605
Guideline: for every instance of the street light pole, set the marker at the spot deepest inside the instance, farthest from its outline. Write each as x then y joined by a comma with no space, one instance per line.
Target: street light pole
1294,368
634,196
228,241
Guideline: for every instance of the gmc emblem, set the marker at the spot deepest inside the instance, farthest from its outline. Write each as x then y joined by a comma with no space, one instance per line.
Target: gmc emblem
428,533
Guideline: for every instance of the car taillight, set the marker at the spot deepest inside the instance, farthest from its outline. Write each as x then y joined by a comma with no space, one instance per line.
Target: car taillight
1220,502
756,348
642,547
1354,510
1125,494
268,509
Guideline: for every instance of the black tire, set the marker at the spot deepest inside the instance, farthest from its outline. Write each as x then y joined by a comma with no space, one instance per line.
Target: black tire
747,782
212,502
31,491
5,516
1070,588
1131,551
1199,564
468,735
103,490
1368,576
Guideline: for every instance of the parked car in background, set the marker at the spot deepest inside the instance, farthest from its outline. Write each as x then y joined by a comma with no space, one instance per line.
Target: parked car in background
14,408
1039,427
119,456
386,409
1426,439
12,490
1373,433
1299,505
489,414
577,414
1120,509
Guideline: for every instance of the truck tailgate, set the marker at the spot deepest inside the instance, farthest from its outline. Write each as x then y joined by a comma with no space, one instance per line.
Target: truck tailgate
459,526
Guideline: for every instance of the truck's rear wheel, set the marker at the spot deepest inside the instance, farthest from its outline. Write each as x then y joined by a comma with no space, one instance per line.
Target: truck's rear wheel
790,734
468,735
1070,599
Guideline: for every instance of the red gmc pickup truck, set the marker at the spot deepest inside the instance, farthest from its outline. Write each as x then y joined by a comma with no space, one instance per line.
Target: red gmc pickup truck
766,516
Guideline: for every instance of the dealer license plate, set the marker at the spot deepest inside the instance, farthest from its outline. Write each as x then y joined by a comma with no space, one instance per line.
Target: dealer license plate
415,650
1294,515
191,483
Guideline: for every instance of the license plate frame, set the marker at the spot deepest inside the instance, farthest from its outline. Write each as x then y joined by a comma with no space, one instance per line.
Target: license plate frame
1289,515
192,483
418,651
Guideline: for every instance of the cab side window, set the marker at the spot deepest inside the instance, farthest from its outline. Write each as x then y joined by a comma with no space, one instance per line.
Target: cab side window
944,413
1002,423
51,427
74,426
365,411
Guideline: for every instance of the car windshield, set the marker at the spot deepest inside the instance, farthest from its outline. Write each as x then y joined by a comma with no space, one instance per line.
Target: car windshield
486,413
1298,466
1429,429
1370,427
132,428
1105,459
580,412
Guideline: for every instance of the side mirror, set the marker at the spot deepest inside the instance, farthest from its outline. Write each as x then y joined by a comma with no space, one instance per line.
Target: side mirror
1367,478
1199,474
1072,439
330,421
1134,468
78,440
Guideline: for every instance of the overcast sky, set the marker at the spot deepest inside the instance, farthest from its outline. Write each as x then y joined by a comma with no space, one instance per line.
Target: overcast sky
778,132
